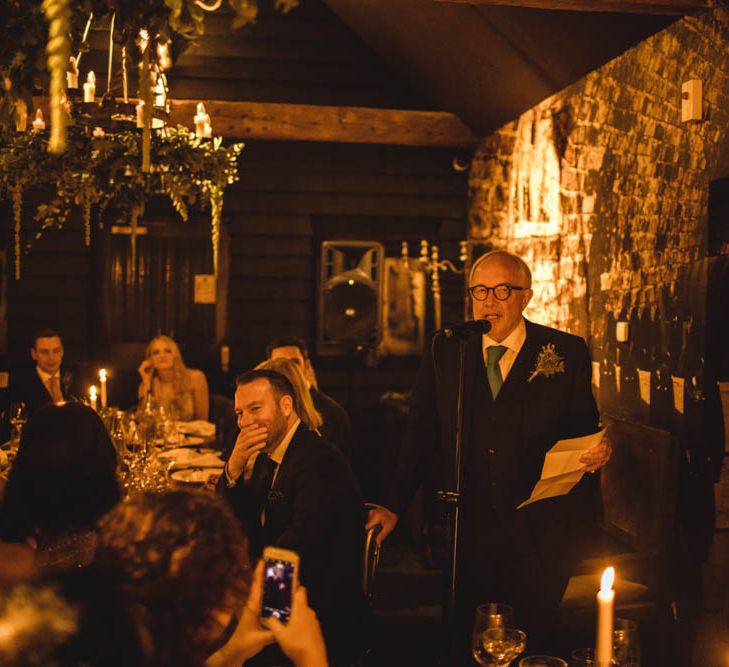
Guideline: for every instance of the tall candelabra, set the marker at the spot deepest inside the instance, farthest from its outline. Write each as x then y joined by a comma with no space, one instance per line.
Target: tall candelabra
430,261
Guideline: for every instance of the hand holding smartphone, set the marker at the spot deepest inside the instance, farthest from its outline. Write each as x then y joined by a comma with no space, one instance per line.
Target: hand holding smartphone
280,579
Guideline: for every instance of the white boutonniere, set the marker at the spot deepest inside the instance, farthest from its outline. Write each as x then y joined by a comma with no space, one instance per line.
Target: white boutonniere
548,362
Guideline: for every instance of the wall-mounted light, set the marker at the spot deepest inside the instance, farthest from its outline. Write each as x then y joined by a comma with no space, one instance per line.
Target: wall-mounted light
691,100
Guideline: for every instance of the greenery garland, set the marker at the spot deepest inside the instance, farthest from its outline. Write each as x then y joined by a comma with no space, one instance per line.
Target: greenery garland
23,67
103,173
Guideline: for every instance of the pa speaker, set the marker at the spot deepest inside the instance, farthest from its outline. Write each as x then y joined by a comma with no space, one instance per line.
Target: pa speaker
350,295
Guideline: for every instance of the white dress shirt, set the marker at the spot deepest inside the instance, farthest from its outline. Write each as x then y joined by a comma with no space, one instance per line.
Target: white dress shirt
46,380
513,344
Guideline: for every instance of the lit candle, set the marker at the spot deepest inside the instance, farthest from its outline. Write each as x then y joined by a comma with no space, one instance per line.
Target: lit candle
38,122
605,600
201,118
92,397
224,358
90,87
140,114
102,382
72,73
207,130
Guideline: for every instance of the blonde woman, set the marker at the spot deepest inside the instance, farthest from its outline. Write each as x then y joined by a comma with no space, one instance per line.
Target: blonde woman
305,406
171,383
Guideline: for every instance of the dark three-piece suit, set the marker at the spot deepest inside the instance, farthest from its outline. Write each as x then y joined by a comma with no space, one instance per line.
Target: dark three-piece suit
27,386
522,557
314,508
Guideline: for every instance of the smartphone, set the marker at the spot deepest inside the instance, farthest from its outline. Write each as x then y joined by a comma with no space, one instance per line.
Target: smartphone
280,578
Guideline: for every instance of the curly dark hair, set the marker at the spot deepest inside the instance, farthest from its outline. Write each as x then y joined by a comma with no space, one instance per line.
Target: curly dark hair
64,476
182,557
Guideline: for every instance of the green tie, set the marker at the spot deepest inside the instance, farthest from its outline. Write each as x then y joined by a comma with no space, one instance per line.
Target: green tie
493,372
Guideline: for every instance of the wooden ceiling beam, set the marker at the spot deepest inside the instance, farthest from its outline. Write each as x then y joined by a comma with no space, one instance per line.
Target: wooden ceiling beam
308,122
668,7
305,122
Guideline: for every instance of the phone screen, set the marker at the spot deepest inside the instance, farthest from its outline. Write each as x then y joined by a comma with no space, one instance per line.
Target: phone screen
278,586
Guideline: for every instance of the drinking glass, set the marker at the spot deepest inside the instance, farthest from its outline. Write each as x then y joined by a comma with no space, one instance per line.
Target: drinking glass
542,661
499,646
582,657
489,615
626,643
18,417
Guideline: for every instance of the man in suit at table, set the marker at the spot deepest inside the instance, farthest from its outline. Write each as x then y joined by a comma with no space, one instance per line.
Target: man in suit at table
526,386
45,382
291,489
337,427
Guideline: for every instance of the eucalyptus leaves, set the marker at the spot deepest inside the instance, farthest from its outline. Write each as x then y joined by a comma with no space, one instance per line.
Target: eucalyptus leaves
101,177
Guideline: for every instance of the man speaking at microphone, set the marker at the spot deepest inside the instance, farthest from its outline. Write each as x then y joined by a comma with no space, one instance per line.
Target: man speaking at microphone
526,386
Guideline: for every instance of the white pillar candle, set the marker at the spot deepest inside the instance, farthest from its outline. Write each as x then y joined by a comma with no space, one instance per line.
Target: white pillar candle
605,601
200,119
92,397
90,87
140,114
207,130
102,383
39,122
72,73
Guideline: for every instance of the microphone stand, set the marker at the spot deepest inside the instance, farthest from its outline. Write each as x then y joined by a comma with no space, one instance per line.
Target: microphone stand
452,497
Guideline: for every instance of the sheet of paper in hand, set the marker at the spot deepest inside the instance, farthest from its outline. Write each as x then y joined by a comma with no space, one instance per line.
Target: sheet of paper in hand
562,467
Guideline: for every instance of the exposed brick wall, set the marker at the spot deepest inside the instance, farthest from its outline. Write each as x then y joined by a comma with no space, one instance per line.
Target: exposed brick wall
604,192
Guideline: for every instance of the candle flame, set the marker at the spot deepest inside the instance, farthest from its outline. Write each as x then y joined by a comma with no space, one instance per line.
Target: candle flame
92,392
608,579
102,374
91,77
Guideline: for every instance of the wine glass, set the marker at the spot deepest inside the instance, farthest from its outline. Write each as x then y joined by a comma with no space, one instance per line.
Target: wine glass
489,615
626,643
18,417
542,661
499,646
582,657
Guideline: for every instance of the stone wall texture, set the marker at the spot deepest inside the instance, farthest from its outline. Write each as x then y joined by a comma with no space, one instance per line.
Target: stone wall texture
604,192
619,190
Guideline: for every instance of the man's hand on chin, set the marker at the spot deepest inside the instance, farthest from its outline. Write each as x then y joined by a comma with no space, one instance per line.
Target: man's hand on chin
251,439
383,517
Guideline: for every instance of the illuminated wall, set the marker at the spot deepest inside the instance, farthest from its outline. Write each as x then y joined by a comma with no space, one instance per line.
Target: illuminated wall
601,188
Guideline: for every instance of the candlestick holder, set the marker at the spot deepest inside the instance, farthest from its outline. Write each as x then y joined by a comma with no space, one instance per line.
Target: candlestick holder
432,264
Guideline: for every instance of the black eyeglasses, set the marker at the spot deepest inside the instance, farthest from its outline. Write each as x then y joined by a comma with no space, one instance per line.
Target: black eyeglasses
501,292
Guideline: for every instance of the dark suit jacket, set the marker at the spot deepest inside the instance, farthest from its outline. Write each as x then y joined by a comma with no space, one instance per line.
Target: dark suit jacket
337,428
315,509
524,421
26,386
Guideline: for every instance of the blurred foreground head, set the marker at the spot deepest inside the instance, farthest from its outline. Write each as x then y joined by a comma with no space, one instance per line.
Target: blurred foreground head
182,558
78,619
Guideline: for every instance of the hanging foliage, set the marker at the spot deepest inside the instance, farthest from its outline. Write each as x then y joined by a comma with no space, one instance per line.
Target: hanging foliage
24,70
98,174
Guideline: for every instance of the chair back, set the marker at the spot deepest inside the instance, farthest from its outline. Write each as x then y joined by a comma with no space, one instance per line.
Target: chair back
371,562
639,485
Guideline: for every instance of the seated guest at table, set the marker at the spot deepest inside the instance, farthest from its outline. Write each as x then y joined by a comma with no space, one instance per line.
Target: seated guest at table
62,481
290,488
183,561
46,381
310,416
337,428
171,383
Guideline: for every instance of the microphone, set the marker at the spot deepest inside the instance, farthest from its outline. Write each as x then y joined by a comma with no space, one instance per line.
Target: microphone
467,328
